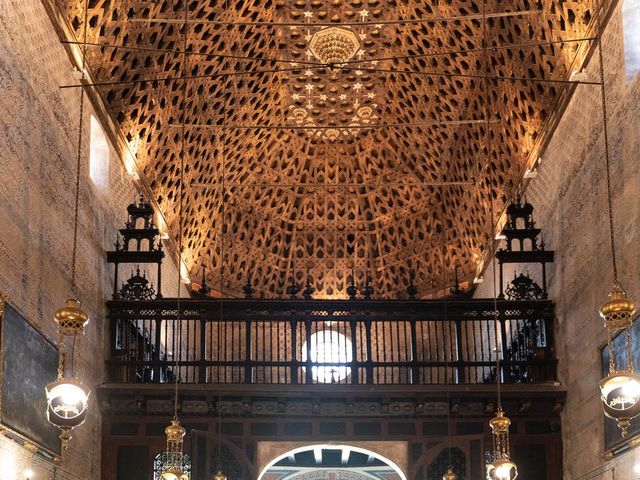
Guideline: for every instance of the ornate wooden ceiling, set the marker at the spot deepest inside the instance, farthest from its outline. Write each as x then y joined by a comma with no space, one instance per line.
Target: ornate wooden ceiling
323,199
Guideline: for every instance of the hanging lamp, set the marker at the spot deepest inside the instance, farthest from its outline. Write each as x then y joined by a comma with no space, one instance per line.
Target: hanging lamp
219,475
175,458
501,466
67,398
450,475
620,389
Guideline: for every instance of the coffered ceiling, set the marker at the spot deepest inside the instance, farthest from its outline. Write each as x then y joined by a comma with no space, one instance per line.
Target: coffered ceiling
291,165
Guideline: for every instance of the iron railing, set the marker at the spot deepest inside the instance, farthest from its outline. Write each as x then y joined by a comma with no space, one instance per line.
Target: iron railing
330,341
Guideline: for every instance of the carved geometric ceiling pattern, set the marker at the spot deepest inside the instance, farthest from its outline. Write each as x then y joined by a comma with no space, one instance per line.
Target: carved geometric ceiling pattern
311,200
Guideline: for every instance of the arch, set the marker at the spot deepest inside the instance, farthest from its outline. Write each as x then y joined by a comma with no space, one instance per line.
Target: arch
330,446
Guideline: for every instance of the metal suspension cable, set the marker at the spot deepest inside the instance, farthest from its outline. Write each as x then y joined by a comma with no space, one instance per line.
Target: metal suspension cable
198,54
302,63
181,210
212,76
410,21
222,225
490,240
603,97
79,148
446,323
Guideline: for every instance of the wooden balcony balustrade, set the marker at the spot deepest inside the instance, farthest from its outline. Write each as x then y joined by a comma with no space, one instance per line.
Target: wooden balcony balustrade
393,342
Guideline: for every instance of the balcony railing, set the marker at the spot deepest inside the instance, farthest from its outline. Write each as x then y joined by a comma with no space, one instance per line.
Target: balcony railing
331,341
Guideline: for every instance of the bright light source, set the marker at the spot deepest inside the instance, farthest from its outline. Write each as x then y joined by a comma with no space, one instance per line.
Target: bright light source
503,473
332,348
636,468
27,473
67,399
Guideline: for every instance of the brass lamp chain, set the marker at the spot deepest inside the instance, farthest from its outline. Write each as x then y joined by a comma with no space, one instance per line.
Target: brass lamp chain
629,353
444,283
606,157
222,226
495,313
79,147
488,148
181,210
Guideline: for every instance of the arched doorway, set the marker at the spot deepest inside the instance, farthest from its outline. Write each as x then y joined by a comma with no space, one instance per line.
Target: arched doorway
331,462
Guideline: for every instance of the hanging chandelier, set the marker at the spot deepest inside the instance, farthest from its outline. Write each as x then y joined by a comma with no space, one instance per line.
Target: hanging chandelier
219,475
174,456
67,398
501,468
450,475
620,389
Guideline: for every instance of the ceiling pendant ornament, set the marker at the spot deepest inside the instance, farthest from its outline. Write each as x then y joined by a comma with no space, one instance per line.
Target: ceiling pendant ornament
334,46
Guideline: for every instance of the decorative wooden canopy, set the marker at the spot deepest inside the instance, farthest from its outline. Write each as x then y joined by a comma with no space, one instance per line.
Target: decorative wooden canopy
384,163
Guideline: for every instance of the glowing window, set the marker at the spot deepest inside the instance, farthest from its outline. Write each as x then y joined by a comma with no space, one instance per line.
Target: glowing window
631,32
331,347
99,156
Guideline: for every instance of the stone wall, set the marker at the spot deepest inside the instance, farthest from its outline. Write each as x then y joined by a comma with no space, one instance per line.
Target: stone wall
39,125
569,195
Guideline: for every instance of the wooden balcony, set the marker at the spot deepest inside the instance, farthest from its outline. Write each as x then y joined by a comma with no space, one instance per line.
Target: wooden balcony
391,342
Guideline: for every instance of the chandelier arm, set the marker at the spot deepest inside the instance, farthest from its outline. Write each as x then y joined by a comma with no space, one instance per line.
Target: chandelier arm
605,125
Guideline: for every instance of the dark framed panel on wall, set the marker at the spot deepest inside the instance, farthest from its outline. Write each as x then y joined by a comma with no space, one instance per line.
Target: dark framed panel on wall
612,437
28,362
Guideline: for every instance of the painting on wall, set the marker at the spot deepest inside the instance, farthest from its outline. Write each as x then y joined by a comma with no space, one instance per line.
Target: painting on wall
29,363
